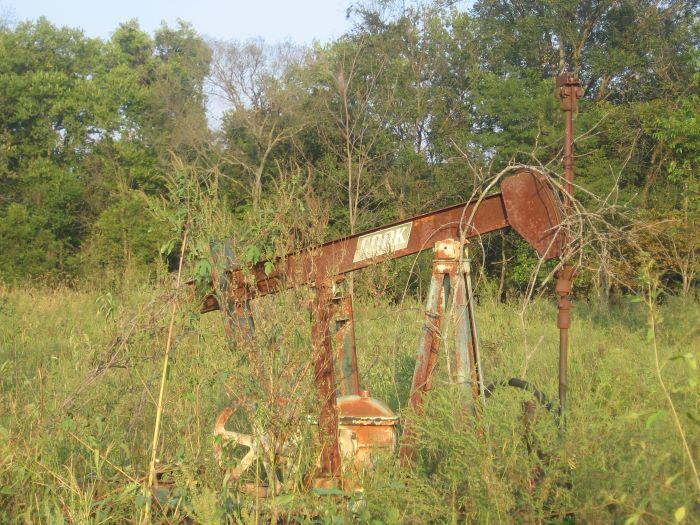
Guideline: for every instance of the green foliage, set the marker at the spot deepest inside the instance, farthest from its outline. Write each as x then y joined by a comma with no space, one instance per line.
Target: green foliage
415,108
126,234
83,123
39,252
619,458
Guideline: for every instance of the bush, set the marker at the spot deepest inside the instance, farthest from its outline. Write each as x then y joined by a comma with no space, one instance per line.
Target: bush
125,235
27,248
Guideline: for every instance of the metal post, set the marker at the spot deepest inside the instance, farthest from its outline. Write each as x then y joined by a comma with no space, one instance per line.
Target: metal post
461,360
563,289
426,357
568,92
429,344
325,382
476,369
349,380
238,320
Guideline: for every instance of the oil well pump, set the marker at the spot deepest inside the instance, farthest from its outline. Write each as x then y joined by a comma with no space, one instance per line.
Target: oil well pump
353,425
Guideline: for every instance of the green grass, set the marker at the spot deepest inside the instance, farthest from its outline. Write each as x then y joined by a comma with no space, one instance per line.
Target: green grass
75,437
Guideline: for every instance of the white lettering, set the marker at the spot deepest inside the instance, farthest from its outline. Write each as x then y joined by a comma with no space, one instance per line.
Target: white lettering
382,242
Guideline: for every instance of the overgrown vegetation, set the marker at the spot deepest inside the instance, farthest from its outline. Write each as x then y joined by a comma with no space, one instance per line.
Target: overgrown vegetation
111,178
78,381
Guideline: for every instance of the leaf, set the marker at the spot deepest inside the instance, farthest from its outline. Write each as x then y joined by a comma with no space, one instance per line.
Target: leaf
131,488
688,358
161,495
650,333
283,500
653,417
167,248
253,255
669,481
203,269
679,514
140,500
632,520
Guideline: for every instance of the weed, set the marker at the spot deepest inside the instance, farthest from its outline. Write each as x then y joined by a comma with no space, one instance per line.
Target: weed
86,461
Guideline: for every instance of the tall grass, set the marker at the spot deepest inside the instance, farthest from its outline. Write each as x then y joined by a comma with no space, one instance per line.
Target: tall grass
79,375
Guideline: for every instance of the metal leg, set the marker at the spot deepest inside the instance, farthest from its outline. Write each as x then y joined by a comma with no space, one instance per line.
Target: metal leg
325,382
475,358
451,276
238,321
563,288
466,361
429,344
349,380
461,358
426,357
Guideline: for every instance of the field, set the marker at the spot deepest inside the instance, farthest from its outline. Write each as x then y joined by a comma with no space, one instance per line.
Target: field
79,375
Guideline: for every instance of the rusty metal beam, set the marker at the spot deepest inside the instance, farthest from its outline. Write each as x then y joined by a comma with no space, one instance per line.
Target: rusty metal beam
526,204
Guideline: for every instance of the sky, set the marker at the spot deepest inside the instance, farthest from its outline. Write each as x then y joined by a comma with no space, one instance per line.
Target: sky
301,21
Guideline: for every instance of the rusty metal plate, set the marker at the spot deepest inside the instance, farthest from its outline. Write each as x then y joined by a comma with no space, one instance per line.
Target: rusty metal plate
532,211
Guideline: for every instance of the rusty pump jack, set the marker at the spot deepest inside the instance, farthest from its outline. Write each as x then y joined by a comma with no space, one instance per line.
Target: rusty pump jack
353,425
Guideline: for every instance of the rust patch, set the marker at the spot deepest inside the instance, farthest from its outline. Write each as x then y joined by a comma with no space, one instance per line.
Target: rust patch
532,211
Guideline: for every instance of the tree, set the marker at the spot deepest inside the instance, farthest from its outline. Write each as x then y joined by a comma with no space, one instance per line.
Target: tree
37,253
81,120
262,114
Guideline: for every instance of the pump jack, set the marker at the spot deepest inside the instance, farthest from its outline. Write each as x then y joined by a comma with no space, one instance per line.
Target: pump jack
353,424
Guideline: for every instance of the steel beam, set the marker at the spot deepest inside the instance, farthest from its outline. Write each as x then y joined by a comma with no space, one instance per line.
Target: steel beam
526,204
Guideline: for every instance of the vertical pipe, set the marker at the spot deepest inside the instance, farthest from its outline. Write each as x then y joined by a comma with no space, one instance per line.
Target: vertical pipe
568,91
563,289
568,154
325,381
461,364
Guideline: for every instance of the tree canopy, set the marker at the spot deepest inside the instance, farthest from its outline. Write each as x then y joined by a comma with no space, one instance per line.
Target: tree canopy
408,111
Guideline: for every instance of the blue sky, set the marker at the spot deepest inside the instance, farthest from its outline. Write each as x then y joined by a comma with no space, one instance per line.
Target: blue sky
301,21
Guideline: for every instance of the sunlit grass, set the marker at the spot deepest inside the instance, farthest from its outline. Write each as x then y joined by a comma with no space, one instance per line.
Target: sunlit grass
74,437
